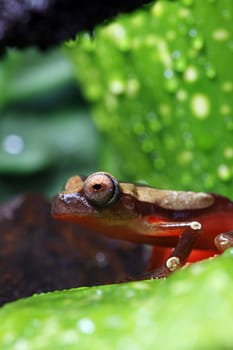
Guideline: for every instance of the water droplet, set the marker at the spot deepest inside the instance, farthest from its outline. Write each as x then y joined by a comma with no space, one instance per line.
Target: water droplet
225,109
179,61
198,43
114,322
164,53
99,292
191,74
165,109
118,34
101,259
200,106
68,337
139,128
168,73
116,86
187,2
8,337
22,344
171,85
176,54
193,32
171,35
130,293
185,157
157,9
228,152
224,172
13,144
116,30
227,86
180,64
210,71
181,95
132,87
86,326
220,34
185,14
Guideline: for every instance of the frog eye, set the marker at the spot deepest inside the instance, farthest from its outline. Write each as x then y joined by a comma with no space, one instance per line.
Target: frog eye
101,189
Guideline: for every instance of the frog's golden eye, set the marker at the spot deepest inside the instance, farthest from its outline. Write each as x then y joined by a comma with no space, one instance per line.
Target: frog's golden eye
101,189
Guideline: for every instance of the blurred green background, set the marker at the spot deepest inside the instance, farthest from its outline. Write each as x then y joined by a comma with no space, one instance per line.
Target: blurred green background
147,96
46,133
159,86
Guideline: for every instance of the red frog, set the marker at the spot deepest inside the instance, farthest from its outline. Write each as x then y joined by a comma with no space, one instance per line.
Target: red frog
182,226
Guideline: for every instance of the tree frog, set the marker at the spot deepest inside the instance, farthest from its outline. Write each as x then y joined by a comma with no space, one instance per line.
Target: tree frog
182,226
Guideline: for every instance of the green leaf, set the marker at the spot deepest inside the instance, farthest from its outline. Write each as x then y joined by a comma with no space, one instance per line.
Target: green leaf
161,85
46,134
31,141
192,309
27,74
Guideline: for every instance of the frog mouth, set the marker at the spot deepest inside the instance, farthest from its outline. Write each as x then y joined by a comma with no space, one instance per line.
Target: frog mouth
69,205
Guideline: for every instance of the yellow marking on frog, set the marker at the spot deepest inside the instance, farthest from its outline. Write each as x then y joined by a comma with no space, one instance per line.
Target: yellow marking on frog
174,200
74,184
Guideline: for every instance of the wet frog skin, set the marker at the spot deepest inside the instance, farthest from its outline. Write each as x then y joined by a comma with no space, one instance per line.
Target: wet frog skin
182,226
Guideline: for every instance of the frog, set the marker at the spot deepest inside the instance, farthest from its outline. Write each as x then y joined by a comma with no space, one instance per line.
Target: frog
181,226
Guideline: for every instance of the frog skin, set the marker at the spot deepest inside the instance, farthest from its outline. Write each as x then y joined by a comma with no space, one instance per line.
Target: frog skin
182,226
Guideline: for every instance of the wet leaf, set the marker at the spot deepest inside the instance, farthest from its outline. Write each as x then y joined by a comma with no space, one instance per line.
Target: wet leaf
181,312
161,87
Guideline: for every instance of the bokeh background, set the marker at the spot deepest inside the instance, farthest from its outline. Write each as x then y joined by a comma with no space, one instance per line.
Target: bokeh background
147,96
46,131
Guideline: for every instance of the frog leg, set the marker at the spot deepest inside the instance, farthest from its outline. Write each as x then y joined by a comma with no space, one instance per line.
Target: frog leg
180,253
224,241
